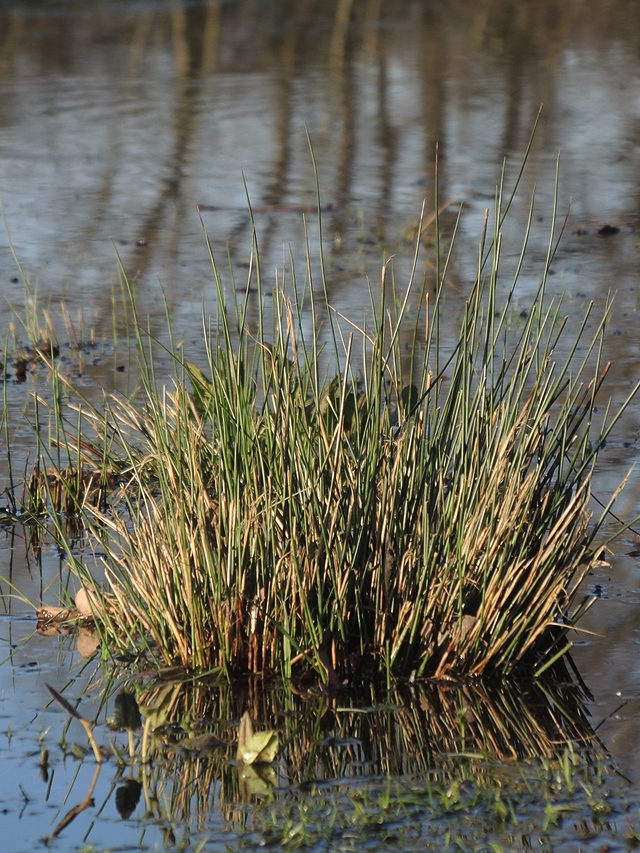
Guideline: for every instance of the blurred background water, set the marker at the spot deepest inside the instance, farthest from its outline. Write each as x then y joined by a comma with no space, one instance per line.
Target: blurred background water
117,119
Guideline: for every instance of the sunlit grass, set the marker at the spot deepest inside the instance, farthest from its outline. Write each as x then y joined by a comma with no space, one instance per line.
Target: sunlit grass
414,515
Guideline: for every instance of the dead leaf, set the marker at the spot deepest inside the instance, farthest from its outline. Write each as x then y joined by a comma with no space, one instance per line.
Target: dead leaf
50,615
82,601
87,643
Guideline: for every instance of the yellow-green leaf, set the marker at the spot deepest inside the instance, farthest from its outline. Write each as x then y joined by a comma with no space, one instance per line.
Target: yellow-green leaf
202,386
255,747
159,712
263,746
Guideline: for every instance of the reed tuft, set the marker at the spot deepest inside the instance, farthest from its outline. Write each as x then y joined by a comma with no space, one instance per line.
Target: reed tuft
413,514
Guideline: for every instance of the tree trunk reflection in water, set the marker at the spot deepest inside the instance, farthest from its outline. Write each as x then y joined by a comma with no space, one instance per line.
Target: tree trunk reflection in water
243,80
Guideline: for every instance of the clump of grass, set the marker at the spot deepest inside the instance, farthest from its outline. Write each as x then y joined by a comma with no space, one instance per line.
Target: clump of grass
419,514
66,489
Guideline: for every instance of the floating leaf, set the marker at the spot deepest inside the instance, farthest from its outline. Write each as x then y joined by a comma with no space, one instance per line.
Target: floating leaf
257,780
245,733
256,747
263,746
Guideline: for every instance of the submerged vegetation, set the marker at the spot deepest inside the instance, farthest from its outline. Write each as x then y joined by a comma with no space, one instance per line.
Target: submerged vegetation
421,511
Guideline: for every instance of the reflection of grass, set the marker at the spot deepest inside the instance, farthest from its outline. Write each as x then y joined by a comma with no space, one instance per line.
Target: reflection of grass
417,762
415,765
190,733
413,514
528,806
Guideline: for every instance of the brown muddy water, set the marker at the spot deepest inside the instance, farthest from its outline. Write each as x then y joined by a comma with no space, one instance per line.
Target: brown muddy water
119,120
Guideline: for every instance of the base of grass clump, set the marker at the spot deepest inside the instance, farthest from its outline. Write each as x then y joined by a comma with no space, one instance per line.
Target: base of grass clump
413,515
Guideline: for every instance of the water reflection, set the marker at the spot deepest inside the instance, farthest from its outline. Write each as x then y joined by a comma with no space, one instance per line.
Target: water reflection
407,731
117,119
183,767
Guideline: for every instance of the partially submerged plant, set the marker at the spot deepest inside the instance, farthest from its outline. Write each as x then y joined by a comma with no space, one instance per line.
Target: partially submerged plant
126,715
423,514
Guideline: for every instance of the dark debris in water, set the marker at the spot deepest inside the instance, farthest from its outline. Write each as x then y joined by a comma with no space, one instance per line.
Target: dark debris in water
27,360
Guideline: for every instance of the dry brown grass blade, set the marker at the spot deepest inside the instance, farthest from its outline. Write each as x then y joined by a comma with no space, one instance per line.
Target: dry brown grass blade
73,712
86,803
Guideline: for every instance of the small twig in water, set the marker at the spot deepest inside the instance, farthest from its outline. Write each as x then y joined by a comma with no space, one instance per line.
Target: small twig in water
87,724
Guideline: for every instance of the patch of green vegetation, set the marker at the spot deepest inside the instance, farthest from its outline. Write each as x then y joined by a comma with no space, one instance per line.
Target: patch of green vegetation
478,805
506,807
417,513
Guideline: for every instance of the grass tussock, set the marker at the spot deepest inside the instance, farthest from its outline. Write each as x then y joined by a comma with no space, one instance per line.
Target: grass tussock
413,514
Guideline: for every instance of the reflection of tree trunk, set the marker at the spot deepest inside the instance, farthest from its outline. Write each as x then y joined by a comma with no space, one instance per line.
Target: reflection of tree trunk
529,73
515,45
171,190
434,69
12,34
275,190
104,194
478,28
211,37
144,23
183,131
344,96
388,142
372,27
387,136
339,37
181,51
515,100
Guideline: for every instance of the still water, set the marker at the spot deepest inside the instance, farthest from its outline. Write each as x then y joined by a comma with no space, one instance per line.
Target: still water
123,124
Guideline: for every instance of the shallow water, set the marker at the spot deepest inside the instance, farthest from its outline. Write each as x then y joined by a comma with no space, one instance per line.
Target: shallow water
458,754
118,119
